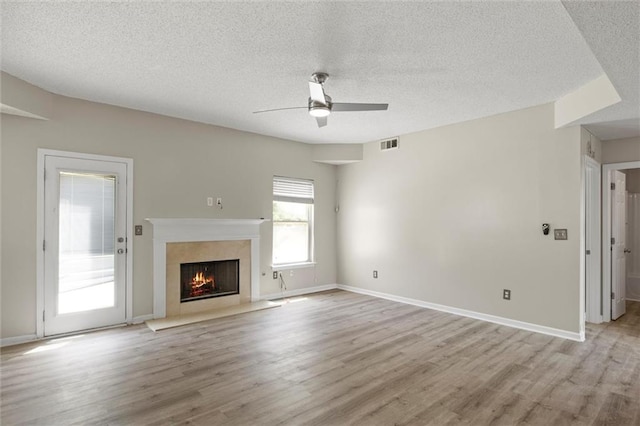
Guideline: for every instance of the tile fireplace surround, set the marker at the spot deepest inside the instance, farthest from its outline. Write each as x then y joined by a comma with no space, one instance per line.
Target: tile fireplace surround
167,231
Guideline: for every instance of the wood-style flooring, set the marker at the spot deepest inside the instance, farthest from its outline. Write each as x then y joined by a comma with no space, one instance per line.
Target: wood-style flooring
332,358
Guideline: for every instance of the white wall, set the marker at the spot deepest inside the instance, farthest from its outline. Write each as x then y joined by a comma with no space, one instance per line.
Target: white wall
454,216
177,164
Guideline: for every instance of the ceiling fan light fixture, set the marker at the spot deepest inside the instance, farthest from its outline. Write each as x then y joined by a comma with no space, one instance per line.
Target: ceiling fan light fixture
320,105
319,111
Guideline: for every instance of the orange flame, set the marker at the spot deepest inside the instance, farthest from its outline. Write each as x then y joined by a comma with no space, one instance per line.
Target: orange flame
199,280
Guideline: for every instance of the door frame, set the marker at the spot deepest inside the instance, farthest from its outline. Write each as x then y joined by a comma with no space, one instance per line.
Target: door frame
606,232
40,219
591,218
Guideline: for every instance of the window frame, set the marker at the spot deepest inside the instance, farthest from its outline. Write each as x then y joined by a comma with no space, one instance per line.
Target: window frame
301,191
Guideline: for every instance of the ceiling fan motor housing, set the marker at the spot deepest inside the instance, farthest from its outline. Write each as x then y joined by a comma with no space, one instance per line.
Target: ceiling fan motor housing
317,109
319,77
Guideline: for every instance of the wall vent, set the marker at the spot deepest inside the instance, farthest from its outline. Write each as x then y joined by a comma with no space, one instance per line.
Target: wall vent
389,144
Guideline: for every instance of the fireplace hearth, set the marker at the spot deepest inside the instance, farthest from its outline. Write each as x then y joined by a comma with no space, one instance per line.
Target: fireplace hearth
203,280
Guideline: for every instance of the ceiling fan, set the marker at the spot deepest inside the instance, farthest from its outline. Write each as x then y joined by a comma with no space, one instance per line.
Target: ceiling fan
320,104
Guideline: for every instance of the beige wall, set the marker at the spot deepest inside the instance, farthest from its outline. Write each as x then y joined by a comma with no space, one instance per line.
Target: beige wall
633,180
21,98
621,150
337,153
454,216
177,164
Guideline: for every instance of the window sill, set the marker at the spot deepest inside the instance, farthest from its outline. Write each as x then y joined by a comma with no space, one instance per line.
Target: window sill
299,265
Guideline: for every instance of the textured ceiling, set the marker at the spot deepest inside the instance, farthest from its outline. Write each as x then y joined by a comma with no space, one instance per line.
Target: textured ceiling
435,63
612,30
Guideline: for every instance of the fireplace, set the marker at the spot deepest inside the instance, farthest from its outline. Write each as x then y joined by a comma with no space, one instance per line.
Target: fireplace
203,280
179,240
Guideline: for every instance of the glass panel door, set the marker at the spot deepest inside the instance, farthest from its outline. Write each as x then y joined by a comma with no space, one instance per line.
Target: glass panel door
85,244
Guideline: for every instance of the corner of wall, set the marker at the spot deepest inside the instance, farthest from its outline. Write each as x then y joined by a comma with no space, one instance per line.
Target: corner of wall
18,97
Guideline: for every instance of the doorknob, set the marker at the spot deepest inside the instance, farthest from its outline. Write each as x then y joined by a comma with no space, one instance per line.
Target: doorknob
121,239
120,251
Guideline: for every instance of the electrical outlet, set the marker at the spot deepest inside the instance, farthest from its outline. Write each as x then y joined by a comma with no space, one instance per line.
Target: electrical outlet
375,274
506,294
291,273
210,201
275,275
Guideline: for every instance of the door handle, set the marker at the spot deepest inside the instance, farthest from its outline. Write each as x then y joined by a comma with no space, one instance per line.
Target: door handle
120,251
627,251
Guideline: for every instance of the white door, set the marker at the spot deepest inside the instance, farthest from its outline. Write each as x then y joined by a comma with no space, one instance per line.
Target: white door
84,244
618,235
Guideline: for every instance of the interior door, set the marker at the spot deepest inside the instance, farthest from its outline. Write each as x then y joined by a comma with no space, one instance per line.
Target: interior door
85,244
618,235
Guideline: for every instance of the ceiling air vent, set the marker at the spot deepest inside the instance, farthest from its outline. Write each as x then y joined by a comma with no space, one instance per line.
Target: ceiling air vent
389,144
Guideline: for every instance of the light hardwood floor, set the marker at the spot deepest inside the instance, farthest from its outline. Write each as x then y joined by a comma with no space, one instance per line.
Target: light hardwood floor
335,358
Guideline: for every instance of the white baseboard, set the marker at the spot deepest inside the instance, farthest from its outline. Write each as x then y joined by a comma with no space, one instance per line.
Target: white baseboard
10,341
579,337
140,319
298,291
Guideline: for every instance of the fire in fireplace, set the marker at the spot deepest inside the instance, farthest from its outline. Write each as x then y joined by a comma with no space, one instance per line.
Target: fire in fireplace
201,280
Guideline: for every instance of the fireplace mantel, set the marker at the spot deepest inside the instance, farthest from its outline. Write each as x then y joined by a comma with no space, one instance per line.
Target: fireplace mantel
175,230
172,230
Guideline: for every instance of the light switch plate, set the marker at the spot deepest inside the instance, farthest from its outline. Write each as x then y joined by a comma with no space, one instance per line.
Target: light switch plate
560,234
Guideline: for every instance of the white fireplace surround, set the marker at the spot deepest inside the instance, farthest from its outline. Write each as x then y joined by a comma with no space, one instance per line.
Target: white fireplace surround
167,230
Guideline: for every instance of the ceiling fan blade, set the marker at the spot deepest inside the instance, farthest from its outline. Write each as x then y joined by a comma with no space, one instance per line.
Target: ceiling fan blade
337,106
278,109
322,121
316,93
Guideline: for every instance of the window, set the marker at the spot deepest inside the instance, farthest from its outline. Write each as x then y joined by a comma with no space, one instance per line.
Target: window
292,221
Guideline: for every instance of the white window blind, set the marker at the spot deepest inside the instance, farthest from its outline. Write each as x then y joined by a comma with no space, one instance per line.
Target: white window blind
292,190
